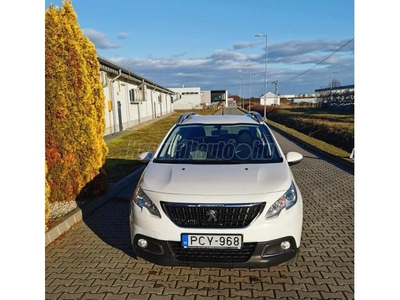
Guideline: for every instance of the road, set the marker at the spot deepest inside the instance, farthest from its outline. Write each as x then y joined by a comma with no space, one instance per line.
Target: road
94,260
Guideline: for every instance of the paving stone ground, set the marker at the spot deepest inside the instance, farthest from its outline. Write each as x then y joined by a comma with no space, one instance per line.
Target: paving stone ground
94,260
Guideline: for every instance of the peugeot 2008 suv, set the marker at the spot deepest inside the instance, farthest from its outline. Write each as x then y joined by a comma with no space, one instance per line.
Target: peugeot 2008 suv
218,192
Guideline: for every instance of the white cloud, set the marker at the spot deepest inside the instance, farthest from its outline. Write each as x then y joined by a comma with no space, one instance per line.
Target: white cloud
122,35
225,69
243,45
99,39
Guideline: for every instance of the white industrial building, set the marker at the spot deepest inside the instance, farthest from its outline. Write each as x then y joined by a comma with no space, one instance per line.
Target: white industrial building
187,97
194,98
303,100
270,99
130,98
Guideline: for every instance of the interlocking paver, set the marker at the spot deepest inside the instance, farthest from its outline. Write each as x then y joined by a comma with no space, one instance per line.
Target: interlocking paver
233,285
196,292
241,293
131,290
317,287
173,291
330,295
74,296
66,289
225,279
200,297
264,294
208,285
160,297
189,284
273,286
138,297
309,295
53,296
90,296
287,294
176,297
152,290
110,296
94,260
295,287
109,289
82,281
87,289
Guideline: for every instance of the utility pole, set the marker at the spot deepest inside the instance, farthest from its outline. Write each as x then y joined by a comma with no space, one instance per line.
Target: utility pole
276,90
249,87
266,81
249,65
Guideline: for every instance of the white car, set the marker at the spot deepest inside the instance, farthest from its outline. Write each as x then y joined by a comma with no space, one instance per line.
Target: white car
218,192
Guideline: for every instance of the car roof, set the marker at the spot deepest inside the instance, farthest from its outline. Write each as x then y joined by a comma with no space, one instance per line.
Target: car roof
219,119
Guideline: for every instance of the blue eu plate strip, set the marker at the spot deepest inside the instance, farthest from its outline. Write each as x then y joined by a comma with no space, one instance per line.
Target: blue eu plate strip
185,240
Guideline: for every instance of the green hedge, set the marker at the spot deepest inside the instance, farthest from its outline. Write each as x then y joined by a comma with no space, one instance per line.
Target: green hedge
339,134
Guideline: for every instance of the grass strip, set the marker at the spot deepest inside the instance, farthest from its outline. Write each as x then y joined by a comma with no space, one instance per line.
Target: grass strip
310,140
123,150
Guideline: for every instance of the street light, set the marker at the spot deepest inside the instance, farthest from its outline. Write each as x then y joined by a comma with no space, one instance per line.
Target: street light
265,86
249,65
240,90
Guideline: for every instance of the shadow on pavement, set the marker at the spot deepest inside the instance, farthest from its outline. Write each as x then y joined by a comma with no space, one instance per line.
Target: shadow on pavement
109,218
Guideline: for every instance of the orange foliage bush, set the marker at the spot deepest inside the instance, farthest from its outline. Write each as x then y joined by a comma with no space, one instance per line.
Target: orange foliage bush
74,103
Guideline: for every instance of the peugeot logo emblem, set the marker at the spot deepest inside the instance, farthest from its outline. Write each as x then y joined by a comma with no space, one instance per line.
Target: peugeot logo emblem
212,215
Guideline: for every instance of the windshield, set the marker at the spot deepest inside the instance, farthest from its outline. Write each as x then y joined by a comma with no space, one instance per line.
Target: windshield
219,143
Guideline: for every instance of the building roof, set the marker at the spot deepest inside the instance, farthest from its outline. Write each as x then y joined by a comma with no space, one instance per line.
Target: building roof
110,67
269,95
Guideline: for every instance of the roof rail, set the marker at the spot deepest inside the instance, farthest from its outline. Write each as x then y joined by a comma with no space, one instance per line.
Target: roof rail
184,116
256,116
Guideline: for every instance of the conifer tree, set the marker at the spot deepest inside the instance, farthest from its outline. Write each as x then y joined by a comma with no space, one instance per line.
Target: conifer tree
74,117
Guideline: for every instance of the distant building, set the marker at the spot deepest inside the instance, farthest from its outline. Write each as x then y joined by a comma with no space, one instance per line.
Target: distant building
341,97
303,100
270,99
187,97
231,102
205,97
214,97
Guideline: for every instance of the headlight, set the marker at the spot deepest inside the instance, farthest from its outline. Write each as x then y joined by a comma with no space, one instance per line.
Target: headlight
287,200
142,200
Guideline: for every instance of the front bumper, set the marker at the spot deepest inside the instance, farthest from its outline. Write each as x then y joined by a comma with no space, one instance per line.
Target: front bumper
252,255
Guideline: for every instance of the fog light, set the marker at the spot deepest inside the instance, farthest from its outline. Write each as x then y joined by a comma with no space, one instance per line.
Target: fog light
142,243
285,245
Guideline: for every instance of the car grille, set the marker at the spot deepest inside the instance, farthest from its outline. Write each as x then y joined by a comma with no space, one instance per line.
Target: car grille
212,215
212,254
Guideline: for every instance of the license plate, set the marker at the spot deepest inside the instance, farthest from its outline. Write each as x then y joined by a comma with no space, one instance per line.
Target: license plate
233,241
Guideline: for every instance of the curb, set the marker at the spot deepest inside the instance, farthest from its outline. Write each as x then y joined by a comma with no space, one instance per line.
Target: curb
77,214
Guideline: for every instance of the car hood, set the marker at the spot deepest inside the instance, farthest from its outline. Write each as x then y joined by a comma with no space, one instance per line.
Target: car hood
206,179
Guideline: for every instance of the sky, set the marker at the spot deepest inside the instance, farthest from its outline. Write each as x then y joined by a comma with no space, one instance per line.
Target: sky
211,44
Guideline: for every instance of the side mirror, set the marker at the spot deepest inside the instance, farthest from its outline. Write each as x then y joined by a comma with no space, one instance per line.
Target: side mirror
145,157
293,158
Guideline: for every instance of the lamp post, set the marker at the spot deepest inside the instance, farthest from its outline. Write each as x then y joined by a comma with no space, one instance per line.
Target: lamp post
265,86
240,90
249,87
249,84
